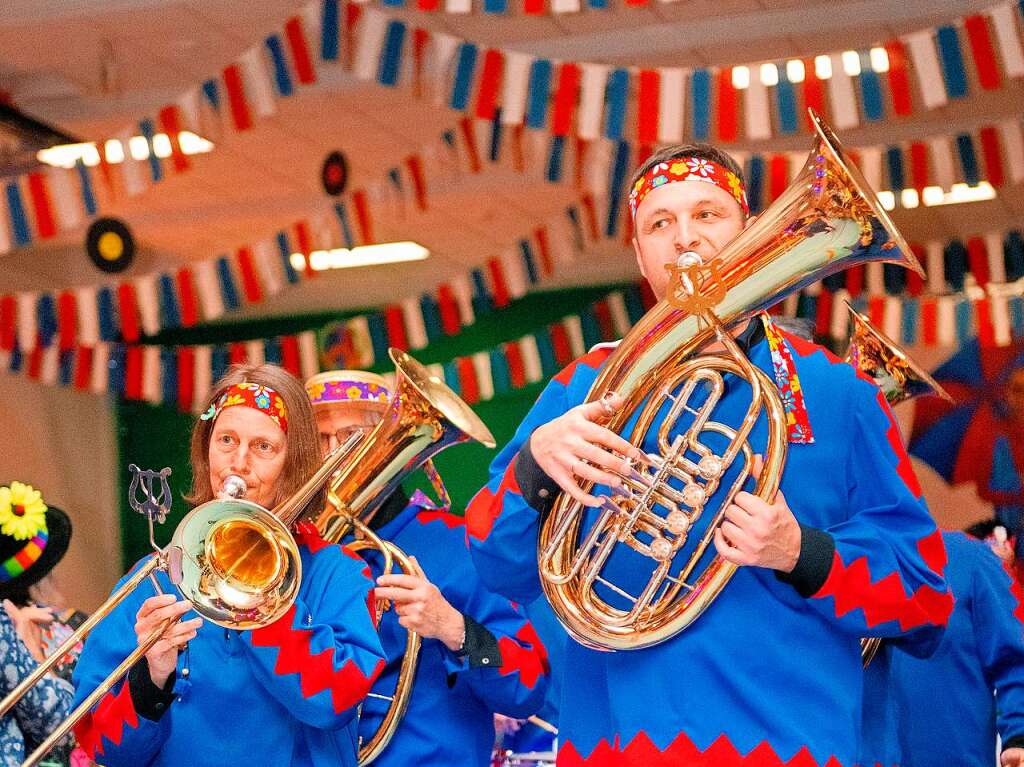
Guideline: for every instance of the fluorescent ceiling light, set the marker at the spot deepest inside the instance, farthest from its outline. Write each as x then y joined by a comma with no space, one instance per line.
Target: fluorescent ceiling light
66,155
769,75
740,77
366,255
822,67
795,71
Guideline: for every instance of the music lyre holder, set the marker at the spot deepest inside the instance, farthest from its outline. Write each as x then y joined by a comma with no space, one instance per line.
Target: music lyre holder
154,506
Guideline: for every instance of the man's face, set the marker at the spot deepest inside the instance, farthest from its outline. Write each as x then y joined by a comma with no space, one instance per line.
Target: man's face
679,217
336,423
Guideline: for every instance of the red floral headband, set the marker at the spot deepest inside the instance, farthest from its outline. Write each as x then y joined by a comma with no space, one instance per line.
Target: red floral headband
687,169
256,396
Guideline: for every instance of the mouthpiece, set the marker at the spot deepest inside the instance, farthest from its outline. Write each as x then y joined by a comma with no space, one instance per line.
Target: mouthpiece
235,486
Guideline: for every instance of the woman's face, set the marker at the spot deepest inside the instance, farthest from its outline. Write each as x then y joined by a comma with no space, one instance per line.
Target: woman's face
247,443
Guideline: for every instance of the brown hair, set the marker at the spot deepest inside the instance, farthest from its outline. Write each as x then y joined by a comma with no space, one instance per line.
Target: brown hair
302,448
678,151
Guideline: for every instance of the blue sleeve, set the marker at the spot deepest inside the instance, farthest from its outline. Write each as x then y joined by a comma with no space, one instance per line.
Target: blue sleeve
113,733
517,686
501,524
881,568
321,657
998,612
46,704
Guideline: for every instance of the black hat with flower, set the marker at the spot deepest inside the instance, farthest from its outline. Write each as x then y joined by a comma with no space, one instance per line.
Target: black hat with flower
33,537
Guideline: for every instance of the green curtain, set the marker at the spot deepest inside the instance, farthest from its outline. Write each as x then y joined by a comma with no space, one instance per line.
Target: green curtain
156,436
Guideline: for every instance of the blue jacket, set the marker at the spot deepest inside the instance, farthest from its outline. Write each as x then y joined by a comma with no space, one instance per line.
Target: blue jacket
450,719
283,694
771,671
941,709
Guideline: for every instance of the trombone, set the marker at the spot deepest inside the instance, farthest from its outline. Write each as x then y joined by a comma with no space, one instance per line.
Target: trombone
238,563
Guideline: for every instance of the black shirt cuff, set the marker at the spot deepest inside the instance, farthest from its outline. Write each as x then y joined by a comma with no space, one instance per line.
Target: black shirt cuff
817,550
538,489
480,647
151,702
1017,741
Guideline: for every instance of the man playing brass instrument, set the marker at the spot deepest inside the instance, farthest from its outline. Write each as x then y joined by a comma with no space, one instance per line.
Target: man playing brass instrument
479,655
770,673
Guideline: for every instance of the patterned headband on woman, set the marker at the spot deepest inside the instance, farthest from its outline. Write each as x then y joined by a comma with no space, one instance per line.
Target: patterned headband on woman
687,169
256,396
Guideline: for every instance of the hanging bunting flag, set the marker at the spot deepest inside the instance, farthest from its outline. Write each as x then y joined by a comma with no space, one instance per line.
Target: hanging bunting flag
870,89
463,81
700,108
952,62
301,61
785,101
490,82
899,82
617,91
240,114
538,91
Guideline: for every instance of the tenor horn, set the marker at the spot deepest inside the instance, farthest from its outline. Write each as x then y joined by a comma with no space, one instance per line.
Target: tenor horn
899,377
827,220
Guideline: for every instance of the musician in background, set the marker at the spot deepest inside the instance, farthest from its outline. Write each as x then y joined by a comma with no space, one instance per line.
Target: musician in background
283,694
845,549
33,538
479,655
941,709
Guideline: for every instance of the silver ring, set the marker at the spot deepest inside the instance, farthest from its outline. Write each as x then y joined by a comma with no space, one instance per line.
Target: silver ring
608,410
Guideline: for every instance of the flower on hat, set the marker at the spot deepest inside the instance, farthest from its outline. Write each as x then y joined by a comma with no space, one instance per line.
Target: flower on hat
354,392
22,511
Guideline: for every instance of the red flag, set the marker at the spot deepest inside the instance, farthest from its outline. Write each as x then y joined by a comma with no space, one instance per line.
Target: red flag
560,344
469,137
133,372
993,160
8,322
566,96
35,362
778,178
236,98
83,367
290,355
490,82
419,187
186,377
533,7
250,282
899,83
516,368
353,13
929,321
304,71
855,280
547,264
501,297
876,310
448,308
984,55
727,124
67,320
915,282
420,41
170,125
305,245
814,94
46,227
647,105
918,165
395,327
986,331
469,388
977,259
187,301
128,310
363,217
603,314
237,353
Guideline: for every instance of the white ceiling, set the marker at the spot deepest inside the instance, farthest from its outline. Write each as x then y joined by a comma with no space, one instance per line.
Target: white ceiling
93,67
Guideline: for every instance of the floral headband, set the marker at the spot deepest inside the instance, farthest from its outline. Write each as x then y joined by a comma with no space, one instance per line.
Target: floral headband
687,169
256,396
338,386
23,518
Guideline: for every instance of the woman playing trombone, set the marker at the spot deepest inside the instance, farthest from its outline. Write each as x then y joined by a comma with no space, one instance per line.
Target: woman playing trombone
283,694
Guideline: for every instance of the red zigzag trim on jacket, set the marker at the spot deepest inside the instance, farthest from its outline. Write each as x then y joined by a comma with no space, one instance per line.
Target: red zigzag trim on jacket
641,752
904,468
306,534
591,360
486,506
1016,590
887,600
531,662
451,521
348,685
107,720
